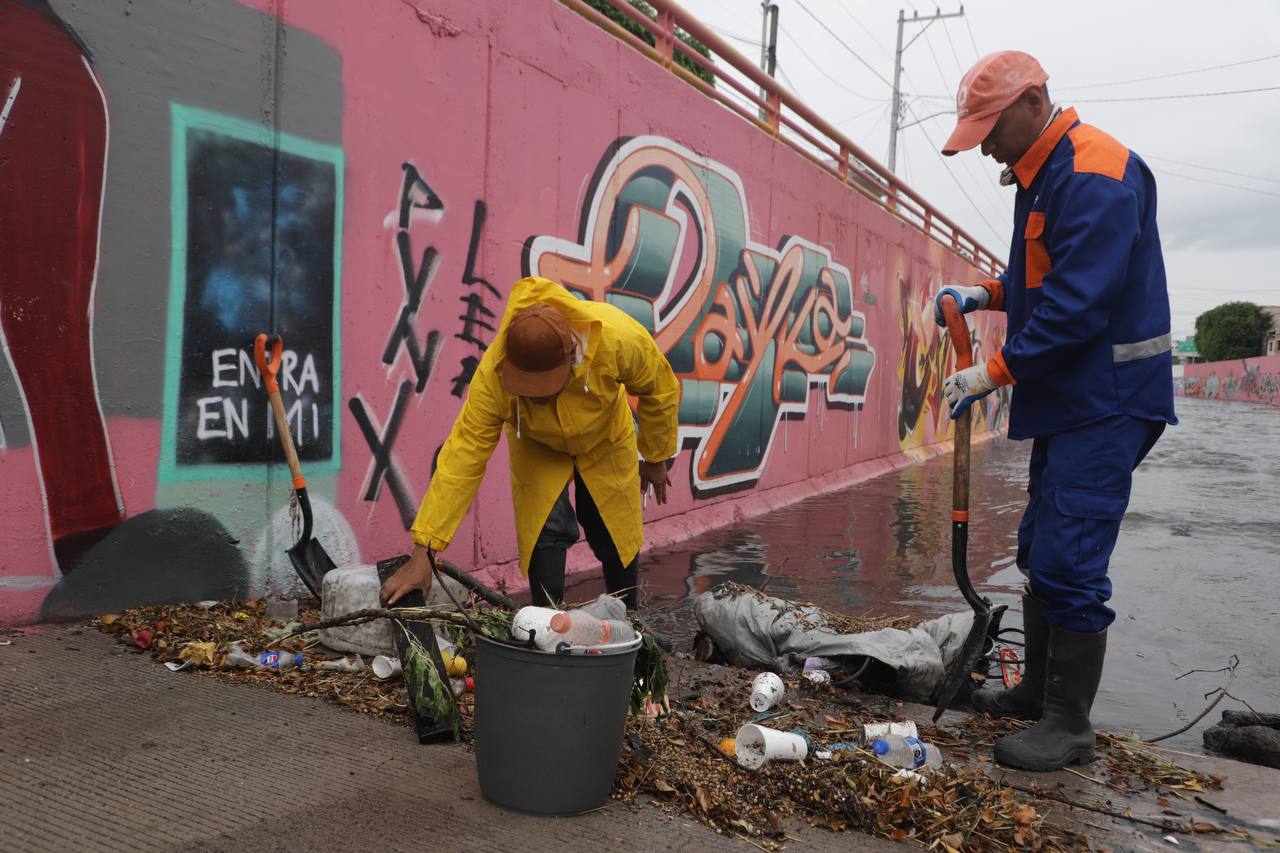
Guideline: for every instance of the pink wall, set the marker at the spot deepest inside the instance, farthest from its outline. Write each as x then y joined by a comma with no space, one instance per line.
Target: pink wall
1256,380
456,145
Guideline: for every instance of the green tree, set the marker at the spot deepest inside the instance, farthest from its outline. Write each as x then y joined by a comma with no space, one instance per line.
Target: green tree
1231,331
604,8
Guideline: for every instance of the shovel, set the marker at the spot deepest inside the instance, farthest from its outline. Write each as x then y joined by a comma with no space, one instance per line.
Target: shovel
307,555
985,618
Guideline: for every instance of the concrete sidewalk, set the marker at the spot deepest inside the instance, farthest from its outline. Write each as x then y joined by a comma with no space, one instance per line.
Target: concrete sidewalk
103,749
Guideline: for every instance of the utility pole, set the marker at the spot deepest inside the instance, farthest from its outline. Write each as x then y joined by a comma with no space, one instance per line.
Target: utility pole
768,44
896,122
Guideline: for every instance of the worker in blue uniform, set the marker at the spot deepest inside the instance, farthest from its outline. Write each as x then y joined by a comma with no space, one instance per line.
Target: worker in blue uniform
1087,352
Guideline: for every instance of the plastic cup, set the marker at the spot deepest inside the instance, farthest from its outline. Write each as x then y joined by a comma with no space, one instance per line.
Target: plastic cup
756,745
766,691
385,667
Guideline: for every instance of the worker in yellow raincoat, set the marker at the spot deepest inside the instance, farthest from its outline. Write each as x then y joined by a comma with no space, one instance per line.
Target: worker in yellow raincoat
558,376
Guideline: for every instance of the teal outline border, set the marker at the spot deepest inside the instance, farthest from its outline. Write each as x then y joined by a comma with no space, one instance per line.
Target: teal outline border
184,118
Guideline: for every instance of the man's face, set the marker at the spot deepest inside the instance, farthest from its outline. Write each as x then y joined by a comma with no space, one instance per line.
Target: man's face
1018,127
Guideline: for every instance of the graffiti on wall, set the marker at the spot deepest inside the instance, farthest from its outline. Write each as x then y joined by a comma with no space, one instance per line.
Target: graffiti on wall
748,328
1253,379
418,204
256,240
54,138
137,461
927,358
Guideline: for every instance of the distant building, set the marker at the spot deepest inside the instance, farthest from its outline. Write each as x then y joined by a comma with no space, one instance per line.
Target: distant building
1271,343
1184,351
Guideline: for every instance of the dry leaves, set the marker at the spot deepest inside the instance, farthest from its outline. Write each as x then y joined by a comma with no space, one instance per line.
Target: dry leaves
959,809
202,635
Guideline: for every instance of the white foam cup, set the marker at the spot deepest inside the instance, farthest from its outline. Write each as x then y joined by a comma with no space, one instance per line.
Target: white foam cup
756,745
385,667
766,691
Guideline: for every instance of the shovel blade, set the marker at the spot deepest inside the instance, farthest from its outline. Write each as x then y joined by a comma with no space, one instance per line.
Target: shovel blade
311,562
962,665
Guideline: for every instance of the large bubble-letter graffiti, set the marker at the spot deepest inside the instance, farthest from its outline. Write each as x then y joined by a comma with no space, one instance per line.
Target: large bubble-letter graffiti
748,328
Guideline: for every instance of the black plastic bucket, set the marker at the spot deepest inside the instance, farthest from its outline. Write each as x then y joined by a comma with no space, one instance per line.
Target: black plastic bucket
549,727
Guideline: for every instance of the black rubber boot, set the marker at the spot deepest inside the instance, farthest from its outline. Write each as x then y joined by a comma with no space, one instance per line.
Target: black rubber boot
1064,734
546,576
1026,700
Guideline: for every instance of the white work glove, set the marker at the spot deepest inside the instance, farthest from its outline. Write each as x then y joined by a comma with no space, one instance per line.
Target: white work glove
966,386
975,298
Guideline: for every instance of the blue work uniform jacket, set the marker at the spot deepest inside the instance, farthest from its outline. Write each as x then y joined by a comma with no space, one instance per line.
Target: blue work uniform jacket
1088,332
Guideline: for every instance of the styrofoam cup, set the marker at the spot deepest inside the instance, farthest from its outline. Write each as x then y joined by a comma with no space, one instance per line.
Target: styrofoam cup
385,667
766,691
755,745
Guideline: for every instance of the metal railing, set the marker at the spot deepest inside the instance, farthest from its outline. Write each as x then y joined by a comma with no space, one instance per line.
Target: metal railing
785,116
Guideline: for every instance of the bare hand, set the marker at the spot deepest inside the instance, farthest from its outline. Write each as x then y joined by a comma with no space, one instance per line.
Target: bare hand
415,574
654,474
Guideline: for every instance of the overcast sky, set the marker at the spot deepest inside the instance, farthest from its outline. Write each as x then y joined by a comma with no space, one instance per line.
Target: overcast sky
1221,243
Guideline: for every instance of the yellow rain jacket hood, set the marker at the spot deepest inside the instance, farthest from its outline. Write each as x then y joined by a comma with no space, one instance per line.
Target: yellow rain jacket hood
589,425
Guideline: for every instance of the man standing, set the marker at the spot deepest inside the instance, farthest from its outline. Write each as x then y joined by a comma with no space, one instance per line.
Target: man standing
558,376
1088,356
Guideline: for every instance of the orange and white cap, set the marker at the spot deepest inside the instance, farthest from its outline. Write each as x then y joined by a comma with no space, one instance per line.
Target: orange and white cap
994,82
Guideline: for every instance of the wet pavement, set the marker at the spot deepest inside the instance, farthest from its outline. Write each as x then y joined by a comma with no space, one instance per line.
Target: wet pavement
1194,571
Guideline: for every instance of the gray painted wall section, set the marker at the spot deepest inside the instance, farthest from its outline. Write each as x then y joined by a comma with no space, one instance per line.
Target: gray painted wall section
217,55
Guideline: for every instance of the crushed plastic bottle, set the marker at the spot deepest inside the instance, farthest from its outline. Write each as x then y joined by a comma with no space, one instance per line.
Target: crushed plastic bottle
907,752
238,657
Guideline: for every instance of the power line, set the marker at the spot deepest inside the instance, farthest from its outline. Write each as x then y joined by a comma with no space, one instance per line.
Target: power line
858,21
1174,74
863,142
844,44
959,186
822,70
787,79
736,37
856,116
977,54
1215,183
1177,97
1212,169
1002,203
947,32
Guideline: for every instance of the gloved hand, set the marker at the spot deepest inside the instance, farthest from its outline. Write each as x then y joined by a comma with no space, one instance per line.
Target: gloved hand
975,298
966,386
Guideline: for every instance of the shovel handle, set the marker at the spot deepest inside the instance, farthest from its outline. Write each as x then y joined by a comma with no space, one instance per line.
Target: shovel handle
958,331
270,369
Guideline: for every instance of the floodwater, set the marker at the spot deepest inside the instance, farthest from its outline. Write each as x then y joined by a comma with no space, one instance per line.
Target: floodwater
1195,570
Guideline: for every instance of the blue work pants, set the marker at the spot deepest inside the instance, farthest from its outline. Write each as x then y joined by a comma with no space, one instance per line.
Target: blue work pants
1079,488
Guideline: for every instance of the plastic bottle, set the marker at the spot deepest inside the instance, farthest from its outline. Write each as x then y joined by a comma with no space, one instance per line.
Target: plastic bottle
582,629
907,752
238,657
535,621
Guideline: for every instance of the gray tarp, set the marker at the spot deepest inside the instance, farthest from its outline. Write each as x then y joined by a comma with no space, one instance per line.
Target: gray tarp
754,630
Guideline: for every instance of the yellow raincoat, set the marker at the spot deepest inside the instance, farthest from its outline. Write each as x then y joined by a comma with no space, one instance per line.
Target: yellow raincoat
589,425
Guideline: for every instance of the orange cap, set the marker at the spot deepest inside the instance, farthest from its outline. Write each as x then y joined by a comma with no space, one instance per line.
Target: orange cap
994,82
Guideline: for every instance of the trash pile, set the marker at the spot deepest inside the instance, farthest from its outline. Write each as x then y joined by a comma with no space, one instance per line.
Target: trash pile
743,751
815,754
235,641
